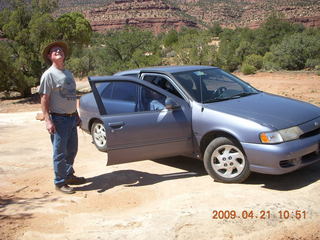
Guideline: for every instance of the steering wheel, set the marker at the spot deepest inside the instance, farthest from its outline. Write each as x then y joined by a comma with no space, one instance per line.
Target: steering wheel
219,91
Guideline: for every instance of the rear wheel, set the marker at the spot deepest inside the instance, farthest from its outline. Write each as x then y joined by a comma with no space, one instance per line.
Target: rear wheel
99,137
225,161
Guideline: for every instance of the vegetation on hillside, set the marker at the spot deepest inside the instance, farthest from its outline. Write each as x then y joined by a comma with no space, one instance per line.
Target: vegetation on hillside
26,29
276,45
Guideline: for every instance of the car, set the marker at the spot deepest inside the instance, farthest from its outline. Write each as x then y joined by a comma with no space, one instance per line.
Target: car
201,112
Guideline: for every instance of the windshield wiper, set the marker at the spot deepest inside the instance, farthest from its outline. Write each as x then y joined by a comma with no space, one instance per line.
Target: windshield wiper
243,94
238,95
216,100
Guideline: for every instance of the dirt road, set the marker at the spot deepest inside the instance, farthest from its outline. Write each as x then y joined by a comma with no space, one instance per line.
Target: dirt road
165,199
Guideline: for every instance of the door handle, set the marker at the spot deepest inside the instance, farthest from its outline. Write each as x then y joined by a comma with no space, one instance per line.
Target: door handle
116,125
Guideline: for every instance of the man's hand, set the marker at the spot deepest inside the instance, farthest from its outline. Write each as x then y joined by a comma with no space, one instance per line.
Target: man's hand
40,116
45,111
50,126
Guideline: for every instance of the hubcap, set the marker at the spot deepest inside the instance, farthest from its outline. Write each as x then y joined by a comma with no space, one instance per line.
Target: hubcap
99,135
228,161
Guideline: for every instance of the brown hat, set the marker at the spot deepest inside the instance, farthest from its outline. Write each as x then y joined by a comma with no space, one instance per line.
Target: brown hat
61,44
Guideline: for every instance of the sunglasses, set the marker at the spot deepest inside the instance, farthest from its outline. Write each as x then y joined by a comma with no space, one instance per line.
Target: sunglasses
56,49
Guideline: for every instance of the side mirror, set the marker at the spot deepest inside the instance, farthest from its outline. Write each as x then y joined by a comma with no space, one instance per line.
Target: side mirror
171,104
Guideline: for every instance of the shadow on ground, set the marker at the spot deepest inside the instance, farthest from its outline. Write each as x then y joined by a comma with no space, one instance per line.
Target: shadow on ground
290,181
194,168
20,206
133,178
33,99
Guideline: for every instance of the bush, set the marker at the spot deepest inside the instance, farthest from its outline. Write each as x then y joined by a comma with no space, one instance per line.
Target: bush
318,70
294,51
254,60
312,63
80,67
270,63
170,38
247,69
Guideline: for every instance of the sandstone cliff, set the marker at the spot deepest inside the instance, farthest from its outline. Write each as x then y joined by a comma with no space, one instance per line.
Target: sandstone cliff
155,15
161,15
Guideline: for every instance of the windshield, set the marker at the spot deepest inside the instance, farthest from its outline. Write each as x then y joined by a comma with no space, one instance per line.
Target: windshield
212,85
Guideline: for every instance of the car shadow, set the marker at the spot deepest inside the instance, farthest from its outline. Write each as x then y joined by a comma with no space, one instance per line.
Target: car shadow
194,168
290,181
133,178
185,163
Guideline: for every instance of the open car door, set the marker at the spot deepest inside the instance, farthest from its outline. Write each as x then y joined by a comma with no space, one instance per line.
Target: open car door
136,127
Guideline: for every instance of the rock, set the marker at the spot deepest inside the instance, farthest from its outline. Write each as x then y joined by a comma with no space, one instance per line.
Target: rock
154,15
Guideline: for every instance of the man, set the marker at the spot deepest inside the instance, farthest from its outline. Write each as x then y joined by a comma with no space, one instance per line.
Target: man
58,103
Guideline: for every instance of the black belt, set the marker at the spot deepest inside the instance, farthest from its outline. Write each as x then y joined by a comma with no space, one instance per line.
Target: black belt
65,114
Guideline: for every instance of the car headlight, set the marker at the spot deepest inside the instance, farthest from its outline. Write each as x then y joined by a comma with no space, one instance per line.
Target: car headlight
280,136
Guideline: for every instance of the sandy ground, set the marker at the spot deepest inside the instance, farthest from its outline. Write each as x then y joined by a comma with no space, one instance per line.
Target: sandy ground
164,199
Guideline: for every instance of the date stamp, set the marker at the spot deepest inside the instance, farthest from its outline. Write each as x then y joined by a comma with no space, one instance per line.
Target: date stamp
259,214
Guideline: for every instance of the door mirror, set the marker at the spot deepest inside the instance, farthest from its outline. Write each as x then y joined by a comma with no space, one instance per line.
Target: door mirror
170,104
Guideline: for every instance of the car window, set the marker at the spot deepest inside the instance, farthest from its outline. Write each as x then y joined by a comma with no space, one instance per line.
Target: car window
209,85
213,82
151,100
125,91
162,82
105,89
122,97
119,97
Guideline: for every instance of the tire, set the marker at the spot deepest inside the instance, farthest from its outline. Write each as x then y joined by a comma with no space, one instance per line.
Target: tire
225,161
99,137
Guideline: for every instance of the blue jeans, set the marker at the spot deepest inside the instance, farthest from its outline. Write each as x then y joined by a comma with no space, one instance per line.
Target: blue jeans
65,147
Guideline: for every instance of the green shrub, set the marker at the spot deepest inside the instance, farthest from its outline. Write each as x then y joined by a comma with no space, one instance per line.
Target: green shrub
247,69
318,69
312,63
294,51
254,60
170,38
270,62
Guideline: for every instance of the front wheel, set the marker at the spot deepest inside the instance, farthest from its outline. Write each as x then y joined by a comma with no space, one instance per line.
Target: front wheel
99,137
225,161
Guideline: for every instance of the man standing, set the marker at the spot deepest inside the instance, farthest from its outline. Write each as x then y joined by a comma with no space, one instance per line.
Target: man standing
58,103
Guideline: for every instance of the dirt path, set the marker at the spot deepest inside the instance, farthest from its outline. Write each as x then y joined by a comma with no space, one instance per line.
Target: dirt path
167,199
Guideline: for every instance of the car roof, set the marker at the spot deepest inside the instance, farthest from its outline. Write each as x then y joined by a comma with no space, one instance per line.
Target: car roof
168,69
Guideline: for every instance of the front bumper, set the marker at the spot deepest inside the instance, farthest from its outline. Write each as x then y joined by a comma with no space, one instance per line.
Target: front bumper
282,158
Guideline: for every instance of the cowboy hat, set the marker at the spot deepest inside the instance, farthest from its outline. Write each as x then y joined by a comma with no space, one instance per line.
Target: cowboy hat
61,44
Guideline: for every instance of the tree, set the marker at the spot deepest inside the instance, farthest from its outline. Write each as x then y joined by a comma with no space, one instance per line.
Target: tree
295,50
27,29
127,48
216,29
193,48
24,29
226,57
170,38
272,31
74,28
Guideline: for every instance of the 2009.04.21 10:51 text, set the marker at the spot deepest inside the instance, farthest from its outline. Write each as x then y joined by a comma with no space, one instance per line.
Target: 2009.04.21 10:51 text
262,214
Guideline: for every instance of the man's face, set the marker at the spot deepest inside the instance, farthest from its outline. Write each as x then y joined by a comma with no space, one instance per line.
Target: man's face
56,54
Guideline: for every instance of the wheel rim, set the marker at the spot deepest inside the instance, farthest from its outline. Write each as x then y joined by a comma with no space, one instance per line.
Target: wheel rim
99,135
228,161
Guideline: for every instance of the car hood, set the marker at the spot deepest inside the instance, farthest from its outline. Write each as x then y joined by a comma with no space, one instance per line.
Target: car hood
268,110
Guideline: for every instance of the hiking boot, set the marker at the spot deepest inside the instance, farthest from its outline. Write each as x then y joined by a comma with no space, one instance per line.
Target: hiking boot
65,189
74,180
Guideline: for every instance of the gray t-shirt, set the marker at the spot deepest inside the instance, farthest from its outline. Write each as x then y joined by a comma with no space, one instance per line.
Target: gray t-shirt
61,87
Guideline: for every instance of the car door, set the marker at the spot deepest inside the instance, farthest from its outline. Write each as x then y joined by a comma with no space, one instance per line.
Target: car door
137,129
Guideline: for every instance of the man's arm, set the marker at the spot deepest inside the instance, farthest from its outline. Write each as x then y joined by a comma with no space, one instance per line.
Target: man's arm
45,110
